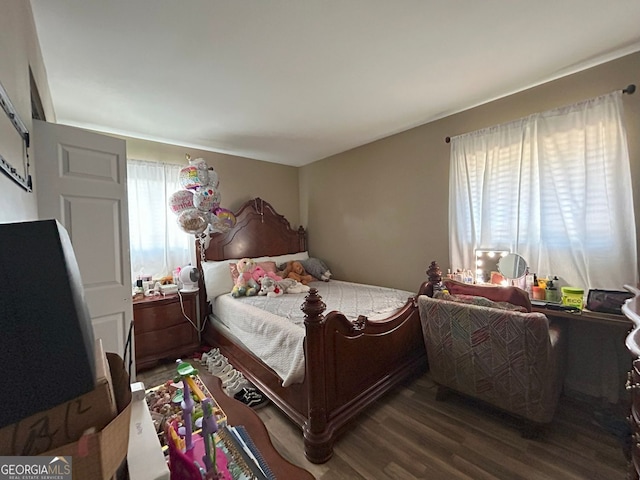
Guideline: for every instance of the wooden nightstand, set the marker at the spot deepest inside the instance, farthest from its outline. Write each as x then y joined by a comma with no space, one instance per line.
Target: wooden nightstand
161,330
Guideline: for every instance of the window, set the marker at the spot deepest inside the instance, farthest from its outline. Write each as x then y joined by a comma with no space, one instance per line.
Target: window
157,244
554,187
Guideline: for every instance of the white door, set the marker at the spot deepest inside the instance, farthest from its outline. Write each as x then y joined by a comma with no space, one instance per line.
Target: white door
81,181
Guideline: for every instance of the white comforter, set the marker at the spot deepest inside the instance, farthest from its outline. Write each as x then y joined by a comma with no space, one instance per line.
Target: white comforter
273,327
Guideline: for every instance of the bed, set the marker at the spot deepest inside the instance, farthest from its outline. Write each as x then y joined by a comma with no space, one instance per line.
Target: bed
347,363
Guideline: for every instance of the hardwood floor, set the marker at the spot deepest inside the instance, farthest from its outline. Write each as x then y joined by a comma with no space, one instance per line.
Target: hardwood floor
410,435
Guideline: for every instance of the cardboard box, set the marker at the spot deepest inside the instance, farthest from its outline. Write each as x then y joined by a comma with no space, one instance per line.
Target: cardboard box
145,458
66,422
97,456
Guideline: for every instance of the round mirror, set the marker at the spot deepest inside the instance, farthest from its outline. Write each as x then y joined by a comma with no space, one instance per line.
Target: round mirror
512,266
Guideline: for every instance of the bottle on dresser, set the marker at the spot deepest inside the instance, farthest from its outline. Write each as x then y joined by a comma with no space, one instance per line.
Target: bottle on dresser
530,282
552,294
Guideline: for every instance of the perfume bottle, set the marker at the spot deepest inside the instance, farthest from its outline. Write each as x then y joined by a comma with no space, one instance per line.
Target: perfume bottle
530,282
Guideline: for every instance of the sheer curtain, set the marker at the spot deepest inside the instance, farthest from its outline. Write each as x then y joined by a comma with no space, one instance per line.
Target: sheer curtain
554,187
158,245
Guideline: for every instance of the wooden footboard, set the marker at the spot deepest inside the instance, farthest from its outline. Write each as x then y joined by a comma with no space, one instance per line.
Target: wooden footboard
348,364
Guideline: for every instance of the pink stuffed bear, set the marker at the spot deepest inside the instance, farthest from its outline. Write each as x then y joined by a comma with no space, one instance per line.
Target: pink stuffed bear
245,284
259,272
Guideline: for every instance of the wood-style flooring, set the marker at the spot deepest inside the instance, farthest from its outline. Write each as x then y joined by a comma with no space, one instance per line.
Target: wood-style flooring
409,435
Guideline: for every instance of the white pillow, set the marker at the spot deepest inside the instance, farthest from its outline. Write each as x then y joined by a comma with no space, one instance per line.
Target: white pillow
280,259
217,279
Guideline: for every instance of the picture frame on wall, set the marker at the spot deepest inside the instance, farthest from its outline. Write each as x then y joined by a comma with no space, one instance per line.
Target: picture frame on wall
14,155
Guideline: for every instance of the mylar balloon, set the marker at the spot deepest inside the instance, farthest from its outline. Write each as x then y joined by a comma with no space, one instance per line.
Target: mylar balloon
180,201
204,198
217,225
213,178
217,198
226,218
193,221
192,177
201,165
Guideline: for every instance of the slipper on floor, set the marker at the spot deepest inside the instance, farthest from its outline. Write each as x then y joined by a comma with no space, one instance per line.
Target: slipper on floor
252,397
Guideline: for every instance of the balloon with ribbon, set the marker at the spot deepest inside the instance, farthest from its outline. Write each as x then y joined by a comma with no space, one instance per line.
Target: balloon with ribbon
191,178
213,178
216,225
217,198
204,198
195,174
223,220
193,221
198,206
180,201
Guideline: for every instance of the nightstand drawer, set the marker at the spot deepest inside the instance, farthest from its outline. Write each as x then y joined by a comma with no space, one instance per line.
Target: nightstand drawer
159,315
161,329
159,342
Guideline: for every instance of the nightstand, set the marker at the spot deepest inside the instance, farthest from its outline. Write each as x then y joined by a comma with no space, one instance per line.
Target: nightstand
161,330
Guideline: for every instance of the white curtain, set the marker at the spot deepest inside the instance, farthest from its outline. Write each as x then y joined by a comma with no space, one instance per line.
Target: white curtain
554,187
158,245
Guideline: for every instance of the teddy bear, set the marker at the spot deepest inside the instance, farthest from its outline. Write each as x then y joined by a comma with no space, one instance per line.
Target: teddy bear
296,271
259,272
245,284
269,287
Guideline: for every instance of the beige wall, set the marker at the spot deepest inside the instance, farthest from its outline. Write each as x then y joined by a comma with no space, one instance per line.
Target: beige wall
379,213
240,178
19,49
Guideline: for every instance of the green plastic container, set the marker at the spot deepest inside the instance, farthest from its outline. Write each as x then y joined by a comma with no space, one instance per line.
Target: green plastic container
573,297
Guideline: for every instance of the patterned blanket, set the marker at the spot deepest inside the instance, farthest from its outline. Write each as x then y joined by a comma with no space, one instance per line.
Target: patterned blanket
273,327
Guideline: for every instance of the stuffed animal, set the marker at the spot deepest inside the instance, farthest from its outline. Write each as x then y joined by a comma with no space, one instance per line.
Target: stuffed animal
245,284
317,268
259,272
269,287
295,270
289,285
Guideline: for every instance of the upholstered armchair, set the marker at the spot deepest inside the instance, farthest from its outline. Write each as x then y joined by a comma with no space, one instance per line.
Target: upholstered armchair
501,354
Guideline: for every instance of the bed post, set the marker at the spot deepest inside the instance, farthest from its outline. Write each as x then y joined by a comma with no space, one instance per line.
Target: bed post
302,239
434,274
318,440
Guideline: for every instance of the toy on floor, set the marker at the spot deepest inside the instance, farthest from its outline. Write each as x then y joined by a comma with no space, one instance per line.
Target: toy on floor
195,457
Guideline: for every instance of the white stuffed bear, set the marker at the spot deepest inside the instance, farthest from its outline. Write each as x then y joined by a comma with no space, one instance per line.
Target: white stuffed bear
289,285
269,287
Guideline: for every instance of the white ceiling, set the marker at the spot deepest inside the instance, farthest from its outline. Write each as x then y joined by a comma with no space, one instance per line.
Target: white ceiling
294,81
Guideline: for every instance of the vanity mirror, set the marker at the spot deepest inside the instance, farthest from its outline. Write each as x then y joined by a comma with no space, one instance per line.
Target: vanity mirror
512,266
487,264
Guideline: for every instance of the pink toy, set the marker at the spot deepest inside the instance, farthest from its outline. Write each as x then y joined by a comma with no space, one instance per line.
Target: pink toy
245,284
260,272
193,457
184,465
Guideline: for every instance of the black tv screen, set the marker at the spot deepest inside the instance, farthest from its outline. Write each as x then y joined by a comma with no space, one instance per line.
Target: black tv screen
46,335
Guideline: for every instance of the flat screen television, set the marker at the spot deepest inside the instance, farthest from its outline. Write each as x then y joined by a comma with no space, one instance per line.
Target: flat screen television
46,335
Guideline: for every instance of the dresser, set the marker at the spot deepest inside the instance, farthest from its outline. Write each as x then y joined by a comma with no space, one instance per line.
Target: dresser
162,329
632,310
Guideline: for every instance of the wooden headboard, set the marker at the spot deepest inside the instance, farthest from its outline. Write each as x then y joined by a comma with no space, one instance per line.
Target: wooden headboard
259,231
